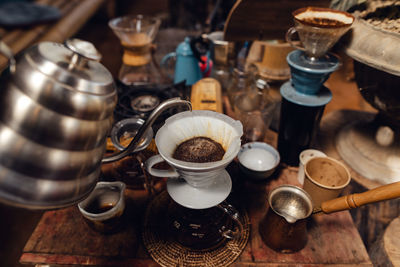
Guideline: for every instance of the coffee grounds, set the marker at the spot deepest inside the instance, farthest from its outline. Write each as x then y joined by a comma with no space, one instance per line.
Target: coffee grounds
324,22
199,149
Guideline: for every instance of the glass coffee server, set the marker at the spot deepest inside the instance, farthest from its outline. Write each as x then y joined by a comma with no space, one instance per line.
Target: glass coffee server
137,34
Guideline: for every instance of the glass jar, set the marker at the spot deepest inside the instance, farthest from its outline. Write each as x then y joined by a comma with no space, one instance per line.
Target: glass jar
222,74
136,34
240,82
254,107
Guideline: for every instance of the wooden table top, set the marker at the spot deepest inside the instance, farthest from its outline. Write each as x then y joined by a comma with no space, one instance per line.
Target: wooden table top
62,237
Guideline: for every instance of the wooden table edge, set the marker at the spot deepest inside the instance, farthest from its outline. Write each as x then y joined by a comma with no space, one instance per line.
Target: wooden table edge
43,258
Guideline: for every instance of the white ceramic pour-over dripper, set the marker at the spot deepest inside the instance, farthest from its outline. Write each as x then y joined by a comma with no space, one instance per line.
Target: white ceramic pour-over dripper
189,124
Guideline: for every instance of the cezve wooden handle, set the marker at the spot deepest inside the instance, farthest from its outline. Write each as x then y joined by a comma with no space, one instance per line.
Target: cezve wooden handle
352,201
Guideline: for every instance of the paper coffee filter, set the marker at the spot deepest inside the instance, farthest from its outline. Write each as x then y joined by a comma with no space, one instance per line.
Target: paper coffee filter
189,124
311,13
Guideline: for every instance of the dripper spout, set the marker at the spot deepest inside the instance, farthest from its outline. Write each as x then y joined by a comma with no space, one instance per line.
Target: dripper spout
148,123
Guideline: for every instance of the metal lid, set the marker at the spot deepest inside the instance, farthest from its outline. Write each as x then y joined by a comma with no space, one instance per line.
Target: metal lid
83,48
75,64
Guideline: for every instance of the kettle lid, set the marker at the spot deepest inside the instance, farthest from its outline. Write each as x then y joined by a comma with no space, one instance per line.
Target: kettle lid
76,63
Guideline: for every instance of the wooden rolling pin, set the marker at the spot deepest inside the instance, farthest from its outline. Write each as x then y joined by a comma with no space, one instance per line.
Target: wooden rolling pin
385,192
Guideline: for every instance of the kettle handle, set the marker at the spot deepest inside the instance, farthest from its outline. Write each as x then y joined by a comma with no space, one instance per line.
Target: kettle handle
165,60
6,51
148,123
289,39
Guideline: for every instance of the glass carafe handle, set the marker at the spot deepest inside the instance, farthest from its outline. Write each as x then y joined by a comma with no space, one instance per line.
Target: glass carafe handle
165,63
289,39
234,215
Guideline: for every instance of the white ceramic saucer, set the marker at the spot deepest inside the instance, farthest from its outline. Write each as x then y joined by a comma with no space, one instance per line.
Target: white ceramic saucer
200,198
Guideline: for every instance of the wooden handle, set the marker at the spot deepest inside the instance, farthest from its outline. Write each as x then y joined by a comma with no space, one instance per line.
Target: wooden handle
352,201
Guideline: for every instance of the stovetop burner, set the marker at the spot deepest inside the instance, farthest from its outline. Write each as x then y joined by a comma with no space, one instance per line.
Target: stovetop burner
145,103
140,101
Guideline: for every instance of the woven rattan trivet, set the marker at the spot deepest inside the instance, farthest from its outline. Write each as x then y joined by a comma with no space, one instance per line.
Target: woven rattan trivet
170,253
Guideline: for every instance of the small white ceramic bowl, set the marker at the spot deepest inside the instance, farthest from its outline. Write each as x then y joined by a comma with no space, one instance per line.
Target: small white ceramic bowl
258,160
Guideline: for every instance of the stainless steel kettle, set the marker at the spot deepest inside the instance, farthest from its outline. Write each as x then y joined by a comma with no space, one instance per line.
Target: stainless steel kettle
56,111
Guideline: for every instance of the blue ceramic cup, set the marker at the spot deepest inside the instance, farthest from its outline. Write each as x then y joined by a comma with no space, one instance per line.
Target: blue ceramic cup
308,75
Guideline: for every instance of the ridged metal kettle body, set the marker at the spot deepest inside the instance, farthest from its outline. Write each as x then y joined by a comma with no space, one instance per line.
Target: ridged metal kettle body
56,110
